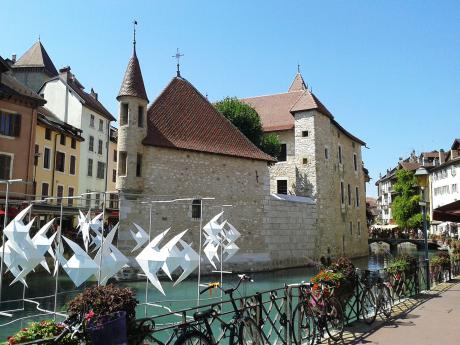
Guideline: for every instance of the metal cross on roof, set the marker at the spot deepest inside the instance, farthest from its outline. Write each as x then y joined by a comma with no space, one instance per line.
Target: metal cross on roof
134,34
298,68
178,56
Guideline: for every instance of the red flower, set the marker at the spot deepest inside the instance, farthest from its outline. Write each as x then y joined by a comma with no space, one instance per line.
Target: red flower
90,315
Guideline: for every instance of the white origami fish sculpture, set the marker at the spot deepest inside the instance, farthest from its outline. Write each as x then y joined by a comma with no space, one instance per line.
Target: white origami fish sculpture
232,234
230,250
211,252
190,260
172,255
80,266
141,237
151,259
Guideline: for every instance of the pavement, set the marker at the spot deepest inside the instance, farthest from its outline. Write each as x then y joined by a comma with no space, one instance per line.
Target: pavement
427,319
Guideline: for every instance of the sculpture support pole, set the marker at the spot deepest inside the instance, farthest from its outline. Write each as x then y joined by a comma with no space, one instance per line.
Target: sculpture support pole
199,254
58,236
147,278
102,241
221,257
3,238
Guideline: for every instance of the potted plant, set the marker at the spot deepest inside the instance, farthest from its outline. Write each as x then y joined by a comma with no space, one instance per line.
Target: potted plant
46,329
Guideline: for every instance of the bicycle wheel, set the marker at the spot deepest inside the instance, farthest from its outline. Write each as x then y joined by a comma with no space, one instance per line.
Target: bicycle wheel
368,306
303,326
250,333
334,318
193,338
386,301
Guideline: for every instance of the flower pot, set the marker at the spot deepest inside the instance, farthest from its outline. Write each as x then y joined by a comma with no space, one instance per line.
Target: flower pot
108,329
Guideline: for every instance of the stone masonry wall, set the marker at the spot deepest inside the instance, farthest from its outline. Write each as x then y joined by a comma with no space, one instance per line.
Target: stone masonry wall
285,170
275,233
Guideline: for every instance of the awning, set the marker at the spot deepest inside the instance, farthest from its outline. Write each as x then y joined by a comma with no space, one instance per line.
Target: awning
384,227
449,212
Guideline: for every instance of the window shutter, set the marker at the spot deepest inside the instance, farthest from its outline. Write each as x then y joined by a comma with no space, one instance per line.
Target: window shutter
17,125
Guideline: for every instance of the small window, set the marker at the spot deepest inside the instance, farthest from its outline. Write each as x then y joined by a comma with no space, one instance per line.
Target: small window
196,209
114,176
91,144
10,124
340,154
45,188
114,155
342,197
62,139
98,199
282,156
70,201
73,143
46,158
326,153
73,160
99,147
100,170
304,160
304,134
281,186
101,125
5,167
139,165
90,167
60,193
124,114
122,163
91,121
60,161
36,155
351,228
47,134
349,194
140,117
88,198
355,161
357,196
359,228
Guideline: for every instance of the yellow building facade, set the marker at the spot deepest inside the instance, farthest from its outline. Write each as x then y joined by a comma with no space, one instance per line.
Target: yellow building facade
57,159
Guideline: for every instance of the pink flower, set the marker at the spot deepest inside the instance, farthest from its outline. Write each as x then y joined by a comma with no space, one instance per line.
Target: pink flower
90,315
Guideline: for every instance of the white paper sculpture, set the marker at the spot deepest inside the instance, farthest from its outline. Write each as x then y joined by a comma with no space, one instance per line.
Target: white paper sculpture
189,263
231,235
172,254
214,234
151,259
141,237
112,259
83,227
80,266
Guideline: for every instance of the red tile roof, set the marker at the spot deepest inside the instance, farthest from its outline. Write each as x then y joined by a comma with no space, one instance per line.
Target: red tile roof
133,83
297,84
410,166
182,118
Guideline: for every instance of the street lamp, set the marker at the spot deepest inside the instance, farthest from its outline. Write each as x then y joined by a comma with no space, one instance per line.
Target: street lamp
422,178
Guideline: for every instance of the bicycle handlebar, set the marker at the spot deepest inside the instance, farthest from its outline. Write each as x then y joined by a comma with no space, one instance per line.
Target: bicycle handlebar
243,277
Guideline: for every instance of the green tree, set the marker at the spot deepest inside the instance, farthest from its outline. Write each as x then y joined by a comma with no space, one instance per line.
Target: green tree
405,206
246,119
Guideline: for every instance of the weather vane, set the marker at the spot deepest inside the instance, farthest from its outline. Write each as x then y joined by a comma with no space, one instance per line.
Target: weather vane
177,57
134,33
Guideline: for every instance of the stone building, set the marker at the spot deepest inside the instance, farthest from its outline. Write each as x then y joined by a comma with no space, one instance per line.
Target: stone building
181,147
319,159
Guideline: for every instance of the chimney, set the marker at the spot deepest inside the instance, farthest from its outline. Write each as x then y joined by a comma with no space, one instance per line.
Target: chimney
13,58
65,73
442,156
93,94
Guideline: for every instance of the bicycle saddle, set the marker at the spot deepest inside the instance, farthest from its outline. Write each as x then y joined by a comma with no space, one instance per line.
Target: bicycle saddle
205,314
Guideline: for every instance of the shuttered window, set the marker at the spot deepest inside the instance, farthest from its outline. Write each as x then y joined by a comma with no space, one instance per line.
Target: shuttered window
10,124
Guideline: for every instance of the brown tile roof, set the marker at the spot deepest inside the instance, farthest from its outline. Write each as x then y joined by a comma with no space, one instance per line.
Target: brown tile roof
11,87
48,119
432,154
37,57
276,111
90,101
410,166
182,118
133,83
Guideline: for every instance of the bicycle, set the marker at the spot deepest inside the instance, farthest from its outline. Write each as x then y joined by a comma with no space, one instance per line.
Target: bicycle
242,327
315,314
376,297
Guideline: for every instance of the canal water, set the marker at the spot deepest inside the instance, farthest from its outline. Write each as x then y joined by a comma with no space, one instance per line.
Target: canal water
42,286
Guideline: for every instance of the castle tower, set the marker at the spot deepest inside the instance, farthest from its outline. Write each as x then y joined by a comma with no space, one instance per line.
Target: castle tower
132,129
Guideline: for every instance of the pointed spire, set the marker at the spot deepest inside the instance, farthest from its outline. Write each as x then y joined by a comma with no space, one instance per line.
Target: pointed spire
133,83
298,83
177,57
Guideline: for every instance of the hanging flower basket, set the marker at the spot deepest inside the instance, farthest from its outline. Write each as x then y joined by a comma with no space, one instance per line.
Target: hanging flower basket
108,329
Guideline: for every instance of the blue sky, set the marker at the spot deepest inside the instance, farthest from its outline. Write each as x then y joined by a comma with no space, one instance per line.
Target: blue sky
389,71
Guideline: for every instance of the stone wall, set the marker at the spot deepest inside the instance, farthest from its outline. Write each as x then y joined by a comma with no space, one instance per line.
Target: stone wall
285,170
275,233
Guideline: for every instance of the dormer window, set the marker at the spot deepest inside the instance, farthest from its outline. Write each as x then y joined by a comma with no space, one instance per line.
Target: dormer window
124,114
